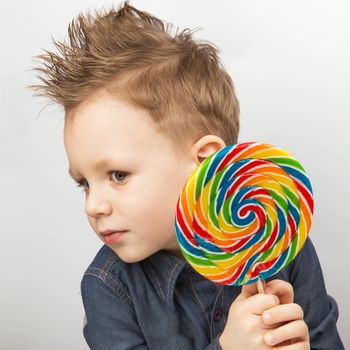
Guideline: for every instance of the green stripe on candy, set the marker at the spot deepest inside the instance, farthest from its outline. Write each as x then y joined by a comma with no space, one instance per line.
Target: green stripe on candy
200,177
287,161
291,196
213,193
197,261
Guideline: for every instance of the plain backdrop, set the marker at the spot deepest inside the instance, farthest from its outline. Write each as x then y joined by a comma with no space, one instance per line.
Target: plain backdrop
290,64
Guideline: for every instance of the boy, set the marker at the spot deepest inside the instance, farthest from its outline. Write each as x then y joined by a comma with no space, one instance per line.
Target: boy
150,107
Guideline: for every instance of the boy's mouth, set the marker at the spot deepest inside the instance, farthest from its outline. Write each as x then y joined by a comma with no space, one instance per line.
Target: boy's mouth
109,232
110,236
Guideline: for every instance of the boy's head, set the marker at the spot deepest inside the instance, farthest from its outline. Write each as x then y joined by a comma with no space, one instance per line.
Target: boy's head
154,104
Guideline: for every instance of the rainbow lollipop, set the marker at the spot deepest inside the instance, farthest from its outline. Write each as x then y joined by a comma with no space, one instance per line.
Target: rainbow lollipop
244,213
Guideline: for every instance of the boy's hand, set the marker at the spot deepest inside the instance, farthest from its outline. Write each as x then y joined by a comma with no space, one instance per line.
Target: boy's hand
245,328
248,328
290,331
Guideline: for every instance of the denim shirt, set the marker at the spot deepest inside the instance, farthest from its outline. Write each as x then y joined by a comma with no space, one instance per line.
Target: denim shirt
162,303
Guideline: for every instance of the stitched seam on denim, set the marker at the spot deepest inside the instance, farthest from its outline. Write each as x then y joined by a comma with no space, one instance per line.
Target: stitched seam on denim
118,287
197,297
171,274
104,273
156,280
222,303
109,263
217,343
220,289
95,271
119,291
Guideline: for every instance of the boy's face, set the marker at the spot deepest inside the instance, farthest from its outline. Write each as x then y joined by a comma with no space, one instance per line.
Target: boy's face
137,188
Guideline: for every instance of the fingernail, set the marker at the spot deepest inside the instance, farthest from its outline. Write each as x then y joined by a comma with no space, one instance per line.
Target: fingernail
270,338
267,317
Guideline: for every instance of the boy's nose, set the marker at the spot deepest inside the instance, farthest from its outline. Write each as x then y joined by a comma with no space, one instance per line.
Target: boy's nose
97,206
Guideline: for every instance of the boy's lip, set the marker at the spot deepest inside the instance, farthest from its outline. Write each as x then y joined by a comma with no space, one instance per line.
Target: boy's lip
108,232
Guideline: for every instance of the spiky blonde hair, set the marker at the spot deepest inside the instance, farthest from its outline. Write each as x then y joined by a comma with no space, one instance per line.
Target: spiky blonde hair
178,80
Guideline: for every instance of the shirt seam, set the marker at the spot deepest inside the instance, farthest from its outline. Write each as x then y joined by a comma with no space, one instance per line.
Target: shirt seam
116,287
157,281
104,274
170,277
198,299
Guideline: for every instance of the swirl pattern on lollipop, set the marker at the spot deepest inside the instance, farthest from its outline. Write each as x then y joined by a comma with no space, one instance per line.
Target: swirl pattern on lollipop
244,213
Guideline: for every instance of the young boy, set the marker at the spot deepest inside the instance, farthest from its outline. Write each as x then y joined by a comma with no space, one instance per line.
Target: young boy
149,106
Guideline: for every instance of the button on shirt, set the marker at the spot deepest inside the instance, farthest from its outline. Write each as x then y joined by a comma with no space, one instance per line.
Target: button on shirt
162,303
218,315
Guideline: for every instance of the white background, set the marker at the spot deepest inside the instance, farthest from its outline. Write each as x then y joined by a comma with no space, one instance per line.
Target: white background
290,64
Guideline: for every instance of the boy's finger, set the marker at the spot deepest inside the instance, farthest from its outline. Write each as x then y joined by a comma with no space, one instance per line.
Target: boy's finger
282,289
283,313
258,303
247,291
289,345
292,330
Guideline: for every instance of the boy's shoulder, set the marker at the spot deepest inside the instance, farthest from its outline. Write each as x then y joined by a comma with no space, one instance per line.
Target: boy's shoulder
103,273
158,271
103,263
106,261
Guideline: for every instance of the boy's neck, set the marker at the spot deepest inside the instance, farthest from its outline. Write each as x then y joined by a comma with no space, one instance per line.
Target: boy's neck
177,253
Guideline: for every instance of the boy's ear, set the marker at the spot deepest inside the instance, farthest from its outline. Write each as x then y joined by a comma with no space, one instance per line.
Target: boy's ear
206,146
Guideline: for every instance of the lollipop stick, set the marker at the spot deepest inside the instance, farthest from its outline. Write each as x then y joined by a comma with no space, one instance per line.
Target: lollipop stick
261,286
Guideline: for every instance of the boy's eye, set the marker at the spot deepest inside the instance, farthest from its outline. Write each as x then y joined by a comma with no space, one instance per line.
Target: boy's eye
120,175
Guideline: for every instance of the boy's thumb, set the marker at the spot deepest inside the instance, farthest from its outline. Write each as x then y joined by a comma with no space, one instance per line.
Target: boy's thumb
247,291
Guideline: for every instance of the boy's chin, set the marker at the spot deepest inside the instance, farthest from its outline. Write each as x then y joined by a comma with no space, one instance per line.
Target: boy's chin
130,257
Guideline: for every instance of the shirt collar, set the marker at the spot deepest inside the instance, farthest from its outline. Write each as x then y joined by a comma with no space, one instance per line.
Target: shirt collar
163,270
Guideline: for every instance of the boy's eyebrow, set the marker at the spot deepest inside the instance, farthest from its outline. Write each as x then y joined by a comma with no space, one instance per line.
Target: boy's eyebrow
98,165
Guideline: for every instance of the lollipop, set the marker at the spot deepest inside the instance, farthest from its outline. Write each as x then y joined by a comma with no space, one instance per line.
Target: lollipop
244,213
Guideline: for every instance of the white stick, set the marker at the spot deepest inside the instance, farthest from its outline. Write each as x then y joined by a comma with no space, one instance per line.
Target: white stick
261,286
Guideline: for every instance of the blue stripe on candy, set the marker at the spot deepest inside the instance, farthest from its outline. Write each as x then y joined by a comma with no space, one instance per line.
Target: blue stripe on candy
226,183
218,157
298,175
276,267
185,245
210,247
247,220
255,238
282,223
247,266
294,213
